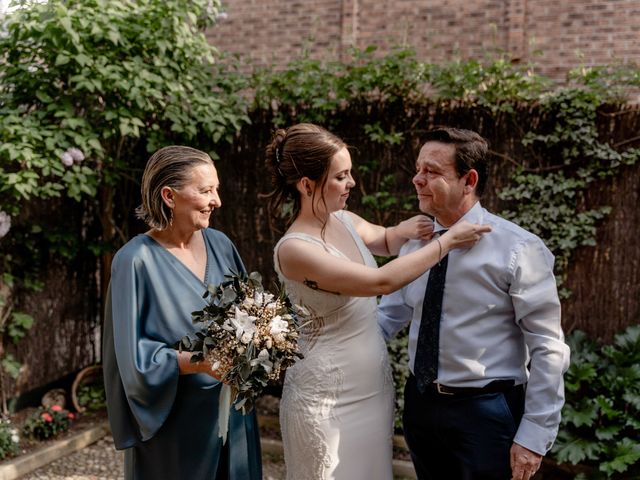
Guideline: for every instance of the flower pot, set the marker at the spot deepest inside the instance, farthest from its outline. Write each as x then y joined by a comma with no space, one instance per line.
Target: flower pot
91,375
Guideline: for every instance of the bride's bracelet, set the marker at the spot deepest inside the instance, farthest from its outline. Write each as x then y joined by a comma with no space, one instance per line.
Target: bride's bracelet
386,242
439,250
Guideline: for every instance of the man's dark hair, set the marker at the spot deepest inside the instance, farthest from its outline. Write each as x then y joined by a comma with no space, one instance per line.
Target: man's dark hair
471,151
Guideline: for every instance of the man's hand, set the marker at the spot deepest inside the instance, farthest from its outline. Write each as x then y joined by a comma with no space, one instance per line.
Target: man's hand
524,462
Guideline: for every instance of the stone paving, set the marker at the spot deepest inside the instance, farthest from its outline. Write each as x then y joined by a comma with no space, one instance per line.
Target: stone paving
100,461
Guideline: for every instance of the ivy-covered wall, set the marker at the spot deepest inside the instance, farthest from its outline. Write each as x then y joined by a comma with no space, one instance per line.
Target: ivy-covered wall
75,137
602,281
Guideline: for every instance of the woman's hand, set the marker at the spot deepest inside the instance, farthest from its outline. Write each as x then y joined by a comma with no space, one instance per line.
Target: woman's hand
414,228
187,367
463,235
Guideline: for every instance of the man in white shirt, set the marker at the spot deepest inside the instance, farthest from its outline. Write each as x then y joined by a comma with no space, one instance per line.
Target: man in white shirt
486,401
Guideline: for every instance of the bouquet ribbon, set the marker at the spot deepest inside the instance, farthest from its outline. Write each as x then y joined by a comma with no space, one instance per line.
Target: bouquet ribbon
224,410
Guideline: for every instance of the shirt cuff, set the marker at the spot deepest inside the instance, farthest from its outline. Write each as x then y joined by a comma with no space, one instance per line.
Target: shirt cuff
534,437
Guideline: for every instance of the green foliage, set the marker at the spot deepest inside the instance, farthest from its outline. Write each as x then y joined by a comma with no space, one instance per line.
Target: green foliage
19,326
609,81
10,365
92,396
399,355
496,84
9,439
101,76
47,422
87,89
315,91
551,203
601,418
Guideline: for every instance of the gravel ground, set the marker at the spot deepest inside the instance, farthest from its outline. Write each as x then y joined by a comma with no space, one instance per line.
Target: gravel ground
101,461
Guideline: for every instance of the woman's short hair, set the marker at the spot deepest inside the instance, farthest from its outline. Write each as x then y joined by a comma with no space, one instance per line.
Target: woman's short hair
168,167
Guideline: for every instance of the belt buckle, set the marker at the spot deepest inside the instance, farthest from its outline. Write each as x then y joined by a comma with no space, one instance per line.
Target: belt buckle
441,391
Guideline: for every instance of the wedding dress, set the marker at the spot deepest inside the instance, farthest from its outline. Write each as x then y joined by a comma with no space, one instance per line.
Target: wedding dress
336,412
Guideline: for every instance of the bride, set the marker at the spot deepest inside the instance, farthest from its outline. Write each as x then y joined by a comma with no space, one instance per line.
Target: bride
336,411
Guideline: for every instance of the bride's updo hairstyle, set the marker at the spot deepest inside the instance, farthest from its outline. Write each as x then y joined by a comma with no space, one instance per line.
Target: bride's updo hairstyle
302,150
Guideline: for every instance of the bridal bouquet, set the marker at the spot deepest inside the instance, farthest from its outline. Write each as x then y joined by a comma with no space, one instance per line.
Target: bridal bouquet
249,337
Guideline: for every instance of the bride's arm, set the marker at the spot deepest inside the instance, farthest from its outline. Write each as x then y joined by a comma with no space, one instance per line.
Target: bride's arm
387,241
310,264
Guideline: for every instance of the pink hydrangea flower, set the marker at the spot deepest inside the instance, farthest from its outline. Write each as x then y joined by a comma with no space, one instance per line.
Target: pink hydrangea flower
46,417
56,408
76,154
67,159
5,224
71,416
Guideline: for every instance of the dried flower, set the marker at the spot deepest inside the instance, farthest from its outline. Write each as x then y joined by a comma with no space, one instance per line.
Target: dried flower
5,223
278,325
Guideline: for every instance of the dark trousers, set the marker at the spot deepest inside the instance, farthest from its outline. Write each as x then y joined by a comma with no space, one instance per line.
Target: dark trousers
461,437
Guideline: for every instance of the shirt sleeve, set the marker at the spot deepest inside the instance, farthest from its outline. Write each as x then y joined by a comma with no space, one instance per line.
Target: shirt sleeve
537,312
393,314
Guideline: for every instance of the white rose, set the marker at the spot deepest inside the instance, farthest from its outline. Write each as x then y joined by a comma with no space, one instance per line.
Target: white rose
277,325
243,323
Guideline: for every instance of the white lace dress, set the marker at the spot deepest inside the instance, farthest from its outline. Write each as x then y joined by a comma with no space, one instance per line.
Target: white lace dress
336,411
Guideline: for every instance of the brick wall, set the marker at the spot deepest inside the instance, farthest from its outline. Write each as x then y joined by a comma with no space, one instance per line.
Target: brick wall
555,35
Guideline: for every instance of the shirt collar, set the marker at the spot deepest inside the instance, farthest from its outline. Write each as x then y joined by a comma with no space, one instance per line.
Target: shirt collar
473,215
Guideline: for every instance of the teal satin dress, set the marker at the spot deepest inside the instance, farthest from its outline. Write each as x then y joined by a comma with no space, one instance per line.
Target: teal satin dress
168,423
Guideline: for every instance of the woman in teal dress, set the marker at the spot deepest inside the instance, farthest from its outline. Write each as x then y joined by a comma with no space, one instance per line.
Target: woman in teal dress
163,409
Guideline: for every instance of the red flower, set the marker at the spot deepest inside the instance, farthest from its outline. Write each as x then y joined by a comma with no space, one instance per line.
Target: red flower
56,408
46,417
71,416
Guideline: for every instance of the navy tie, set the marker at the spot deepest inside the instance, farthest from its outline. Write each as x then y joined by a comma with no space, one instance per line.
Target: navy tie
426,363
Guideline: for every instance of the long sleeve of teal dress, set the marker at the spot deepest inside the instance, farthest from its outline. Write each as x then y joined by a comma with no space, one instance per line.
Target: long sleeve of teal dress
167,422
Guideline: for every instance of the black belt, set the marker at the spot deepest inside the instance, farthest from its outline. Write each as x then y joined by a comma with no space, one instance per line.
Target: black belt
492,387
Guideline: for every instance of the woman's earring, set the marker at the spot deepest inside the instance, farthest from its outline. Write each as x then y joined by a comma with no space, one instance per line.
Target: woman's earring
308,193
171,217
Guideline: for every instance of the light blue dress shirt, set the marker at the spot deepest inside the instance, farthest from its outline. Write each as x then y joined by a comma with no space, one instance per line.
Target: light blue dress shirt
500,311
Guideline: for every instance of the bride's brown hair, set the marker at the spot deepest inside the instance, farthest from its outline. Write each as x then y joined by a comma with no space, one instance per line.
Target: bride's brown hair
302,150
